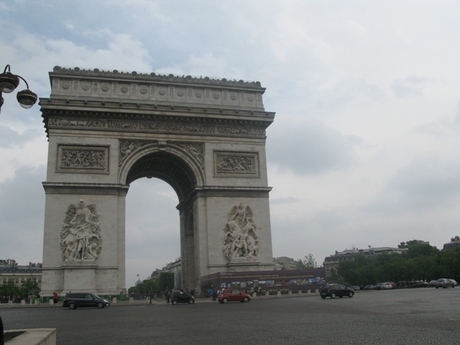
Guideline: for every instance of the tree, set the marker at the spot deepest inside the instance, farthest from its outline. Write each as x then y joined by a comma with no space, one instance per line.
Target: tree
449,261
166,281
420,261
29,287
10,290
308,262
419,249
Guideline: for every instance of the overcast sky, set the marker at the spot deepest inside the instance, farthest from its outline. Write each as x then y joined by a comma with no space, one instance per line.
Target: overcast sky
364,150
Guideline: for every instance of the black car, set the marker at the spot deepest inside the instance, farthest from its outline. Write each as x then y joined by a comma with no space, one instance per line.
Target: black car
333,290
180,296
84,299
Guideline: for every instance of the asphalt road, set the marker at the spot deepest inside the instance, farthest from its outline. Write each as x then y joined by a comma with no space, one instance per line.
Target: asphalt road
412,316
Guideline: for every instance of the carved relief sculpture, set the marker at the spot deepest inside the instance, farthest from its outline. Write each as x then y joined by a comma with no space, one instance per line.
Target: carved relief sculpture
83,159
129,146
196,150
233,163
81,234
240,239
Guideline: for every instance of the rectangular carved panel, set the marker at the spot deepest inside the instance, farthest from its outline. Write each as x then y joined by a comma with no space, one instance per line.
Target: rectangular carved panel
236,164
83,159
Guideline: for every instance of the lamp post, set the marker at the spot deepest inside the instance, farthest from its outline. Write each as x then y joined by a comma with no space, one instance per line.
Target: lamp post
9,82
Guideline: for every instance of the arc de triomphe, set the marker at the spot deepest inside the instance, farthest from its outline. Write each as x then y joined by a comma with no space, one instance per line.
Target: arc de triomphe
204,137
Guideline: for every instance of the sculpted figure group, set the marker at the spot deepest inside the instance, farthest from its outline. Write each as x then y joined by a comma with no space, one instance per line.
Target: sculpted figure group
240,239
81,234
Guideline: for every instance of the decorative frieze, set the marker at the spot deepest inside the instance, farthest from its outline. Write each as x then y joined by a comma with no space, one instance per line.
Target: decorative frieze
154,88
154,126
92,159
236,164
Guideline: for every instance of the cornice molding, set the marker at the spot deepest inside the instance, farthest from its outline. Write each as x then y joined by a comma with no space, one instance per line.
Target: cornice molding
170,78
151,88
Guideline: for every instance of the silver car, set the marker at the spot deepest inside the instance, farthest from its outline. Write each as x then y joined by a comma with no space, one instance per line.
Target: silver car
443,283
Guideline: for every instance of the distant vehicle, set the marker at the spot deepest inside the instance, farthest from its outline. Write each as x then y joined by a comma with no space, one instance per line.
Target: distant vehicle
233,295
84,299
180,296
432,283
443,283
419,284
385,286
335,290
453,281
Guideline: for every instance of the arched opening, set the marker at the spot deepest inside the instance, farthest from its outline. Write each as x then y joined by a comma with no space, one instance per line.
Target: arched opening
167,168
152,205
152,228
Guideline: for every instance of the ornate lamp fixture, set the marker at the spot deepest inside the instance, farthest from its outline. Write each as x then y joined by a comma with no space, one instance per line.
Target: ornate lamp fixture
9,82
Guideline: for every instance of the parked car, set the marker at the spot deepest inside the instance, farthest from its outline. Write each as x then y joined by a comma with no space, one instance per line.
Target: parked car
453,281
84,299
180,296
432,283
228,295
443,283
419,284
385,286
333,290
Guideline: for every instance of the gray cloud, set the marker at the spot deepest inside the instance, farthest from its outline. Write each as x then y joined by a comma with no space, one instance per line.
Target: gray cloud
309,148
288,200
428,182
22,216
350,92
410,86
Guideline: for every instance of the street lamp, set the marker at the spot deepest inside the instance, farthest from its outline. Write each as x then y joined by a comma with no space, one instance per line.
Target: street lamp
9,82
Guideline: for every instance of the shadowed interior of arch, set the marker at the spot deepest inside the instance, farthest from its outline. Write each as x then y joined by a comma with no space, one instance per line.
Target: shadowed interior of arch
167,168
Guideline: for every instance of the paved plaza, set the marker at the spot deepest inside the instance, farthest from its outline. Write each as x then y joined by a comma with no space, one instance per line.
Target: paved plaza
415,316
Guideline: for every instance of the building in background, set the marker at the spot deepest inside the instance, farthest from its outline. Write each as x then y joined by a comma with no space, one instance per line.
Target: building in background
10,270
285,263
331,263
454,243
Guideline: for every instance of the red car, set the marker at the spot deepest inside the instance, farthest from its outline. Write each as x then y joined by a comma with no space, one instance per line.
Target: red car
233,295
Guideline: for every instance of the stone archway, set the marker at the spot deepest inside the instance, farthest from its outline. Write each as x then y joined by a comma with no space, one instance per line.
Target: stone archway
204,137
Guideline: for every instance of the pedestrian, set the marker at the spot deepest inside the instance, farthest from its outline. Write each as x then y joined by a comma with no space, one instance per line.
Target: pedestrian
211,292
55,297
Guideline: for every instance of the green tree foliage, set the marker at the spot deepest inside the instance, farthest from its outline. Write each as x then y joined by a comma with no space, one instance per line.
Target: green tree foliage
29,287
419,262
164,281
308,262
10,290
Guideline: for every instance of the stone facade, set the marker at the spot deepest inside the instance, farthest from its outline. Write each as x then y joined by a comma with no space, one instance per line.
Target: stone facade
10,270
204,137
